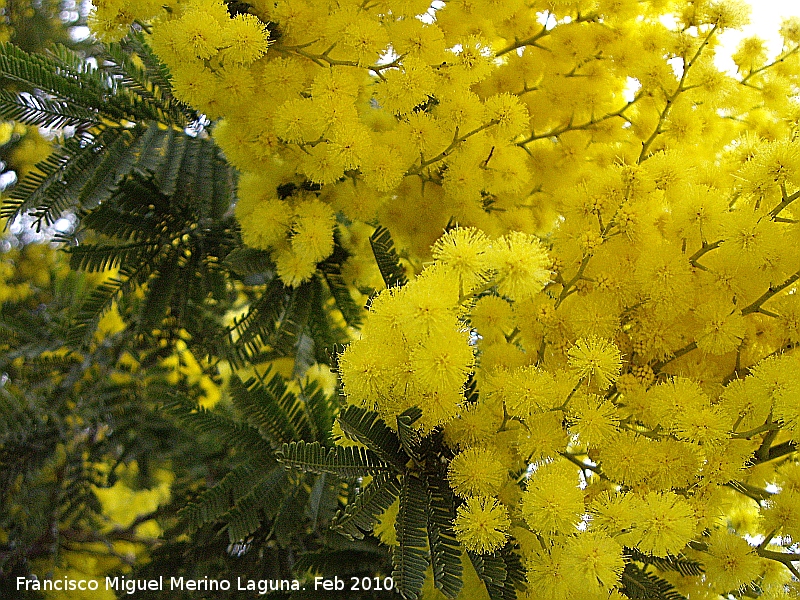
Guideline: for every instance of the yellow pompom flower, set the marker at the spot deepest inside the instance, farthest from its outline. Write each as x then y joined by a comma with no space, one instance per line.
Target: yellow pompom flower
614,513
199,34
292,268
403,89
236,88
727,14
732,560
438,407
313,230
463,251
790,30
669,400
493,318
704,425
246,38
424,132
594,419
476,472
528,391
776,378
412,38
264,222
553,502
383,169
595,559
665,524
543,438
481,524
664,276
295,121
196,86
475,423
364,37
723,328
430,303
548,575
473,61
509,114
782,513
522,265
352,144
323,164
443,362
596,360
110,24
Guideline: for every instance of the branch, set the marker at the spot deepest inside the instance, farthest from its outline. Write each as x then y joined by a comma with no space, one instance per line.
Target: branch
778,60
703,251
756,305
672,97
416,170
531,41
677,354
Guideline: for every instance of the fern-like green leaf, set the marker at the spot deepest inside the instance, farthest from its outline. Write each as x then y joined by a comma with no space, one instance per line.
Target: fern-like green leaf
160,289
44,112
386,258
331,270
276,413
361,515
331,562
346,463
51,75
681,564
640,585
320,408
491,569
146,78
247,262
410,556
216,501
365,426
409,437
94,258
275,321
445,549
249,510
54,185
116,163
226,430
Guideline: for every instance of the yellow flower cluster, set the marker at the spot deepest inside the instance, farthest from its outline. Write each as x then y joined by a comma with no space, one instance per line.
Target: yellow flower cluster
638,362
416,348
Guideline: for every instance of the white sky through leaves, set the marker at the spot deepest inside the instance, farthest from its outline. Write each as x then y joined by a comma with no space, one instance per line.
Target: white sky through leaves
765,20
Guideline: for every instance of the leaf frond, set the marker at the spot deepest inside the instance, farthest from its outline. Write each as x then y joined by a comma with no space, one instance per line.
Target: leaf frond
346,463
640,585
386,258
410,555
365,426
361,515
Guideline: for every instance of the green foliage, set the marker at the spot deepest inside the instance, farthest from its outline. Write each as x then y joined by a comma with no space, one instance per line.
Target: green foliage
638,583
331,269
445,551
679,564
153,196
404,467
409,556
386,257
68,417
492,571
365,427
361,515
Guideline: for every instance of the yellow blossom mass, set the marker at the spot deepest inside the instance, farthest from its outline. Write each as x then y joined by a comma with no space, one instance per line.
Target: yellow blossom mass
595,258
